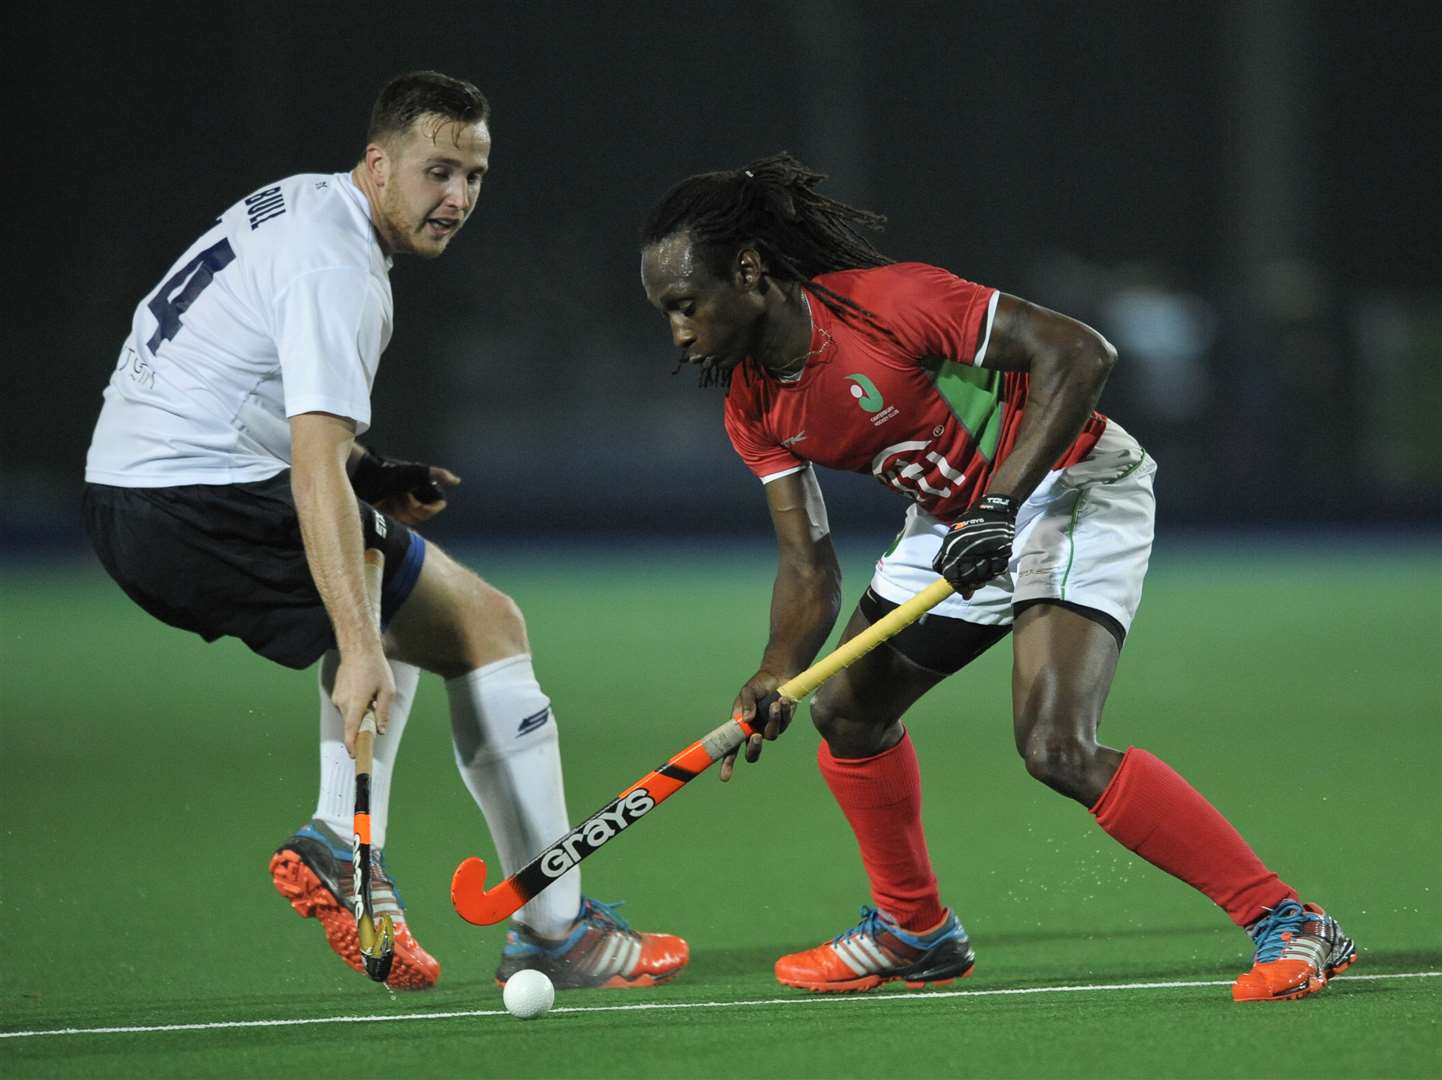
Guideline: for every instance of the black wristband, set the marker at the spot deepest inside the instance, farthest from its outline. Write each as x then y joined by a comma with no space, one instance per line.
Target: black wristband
365,479
377,477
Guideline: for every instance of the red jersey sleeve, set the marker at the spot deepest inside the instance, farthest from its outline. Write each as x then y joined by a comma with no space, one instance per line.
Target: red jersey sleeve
932,311
761,452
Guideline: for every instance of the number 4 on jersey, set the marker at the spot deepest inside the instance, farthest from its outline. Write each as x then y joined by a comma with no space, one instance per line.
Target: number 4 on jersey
196,275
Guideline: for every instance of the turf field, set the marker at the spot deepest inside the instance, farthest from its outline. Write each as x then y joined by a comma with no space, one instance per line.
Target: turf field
146,778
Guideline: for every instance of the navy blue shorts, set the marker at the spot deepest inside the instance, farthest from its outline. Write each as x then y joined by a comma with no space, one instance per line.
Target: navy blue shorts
227,560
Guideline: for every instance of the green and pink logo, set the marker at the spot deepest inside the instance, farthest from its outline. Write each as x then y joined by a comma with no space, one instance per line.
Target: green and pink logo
865,393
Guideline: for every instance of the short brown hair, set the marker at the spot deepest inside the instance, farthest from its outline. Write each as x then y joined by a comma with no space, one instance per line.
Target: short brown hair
421,93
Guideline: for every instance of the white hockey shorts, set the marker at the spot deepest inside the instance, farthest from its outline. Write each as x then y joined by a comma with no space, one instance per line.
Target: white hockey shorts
1084,537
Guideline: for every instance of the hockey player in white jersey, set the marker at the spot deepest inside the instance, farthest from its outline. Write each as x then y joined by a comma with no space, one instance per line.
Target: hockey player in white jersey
226,493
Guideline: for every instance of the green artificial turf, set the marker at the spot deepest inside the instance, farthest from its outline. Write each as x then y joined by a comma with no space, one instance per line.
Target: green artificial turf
145,778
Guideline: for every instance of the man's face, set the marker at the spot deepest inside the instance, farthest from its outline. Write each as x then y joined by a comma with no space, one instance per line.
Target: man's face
714,321
428,179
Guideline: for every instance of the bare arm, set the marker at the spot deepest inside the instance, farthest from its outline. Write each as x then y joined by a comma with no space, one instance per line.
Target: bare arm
805,599
806,595
1068,363
321,447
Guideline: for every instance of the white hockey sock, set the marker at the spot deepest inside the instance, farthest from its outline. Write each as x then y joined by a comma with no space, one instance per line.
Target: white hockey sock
508,753
336,804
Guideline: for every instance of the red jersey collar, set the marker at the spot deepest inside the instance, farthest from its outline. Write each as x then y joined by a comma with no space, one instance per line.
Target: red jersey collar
822,350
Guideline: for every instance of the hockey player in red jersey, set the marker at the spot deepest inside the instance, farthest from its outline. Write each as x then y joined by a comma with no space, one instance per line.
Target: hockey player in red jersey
979,407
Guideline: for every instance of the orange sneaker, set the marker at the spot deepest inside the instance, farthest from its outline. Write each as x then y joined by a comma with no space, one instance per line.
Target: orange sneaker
601,950
312,870
877,951
1299,947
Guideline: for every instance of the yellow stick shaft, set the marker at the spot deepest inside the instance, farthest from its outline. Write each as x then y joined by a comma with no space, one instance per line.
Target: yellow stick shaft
895,621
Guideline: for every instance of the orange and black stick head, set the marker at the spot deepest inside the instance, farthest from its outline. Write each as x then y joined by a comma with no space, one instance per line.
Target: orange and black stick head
486,907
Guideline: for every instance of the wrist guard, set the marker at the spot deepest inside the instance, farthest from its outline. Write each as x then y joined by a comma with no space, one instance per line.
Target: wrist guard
377,478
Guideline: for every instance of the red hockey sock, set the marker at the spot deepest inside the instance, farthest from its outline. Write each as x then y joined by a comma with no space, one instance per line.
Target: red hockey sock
1152,810
881,798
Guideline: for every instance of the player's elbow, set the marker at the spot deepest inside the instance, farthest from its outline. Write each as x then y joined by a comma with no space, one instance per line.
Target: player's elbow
1088,361
1077,355
1100,355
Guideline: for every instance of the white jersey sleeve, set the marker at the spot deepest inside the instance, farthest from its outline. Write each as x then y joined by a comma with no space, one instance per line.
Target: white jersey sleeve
282,306
330,327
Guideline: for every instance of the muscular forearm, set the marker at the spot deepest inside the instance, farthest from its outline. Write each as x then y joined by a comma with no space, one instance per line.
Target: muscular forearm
804,603
1065,384
330,530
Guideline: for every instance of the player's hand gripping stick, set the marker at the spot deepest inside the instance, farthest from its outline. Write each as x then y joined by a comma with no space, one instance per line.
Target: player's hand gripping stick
484,907
978,547
376,941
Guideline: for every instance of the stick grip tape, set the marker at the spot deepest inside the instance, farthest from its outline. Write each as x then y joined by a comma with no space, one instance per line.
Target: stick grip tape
895,621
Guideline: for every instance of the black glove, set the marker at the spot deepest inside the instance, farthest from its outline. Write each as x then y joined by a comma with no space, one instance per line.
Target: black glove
978,547
376,478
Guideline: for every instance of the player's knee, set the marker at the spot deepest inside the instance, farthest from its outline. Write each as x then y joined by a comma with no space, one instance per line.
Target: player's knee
493,619
466,622
1060,759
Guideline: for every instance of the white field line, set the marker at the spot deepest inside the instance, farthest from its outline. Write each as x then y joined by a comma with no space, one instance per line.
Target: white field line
809,999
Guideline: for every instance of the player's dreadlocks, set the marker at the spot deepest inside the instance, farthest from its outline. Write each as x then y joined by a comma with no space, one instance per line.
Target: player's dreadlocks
773,205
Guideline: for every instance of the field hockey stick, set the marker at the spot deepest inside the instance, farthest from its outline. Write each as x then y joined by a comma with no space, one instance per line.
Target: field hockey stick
377,942
484,907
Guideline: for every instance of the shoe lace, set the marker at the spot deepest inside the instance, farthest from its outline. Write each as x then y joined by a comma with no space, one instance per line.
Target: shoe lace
594,915
594,911
1277,927
871,924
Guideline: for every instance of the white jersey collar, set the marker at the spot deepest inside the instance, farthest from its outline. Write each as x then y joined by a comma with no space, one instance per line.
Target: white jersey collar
362,204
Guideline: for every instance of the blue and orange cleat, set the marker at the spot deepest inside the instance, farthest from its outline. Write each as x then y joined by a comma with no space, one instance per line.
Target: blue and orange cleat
601,950
1299,947
875,951
312,870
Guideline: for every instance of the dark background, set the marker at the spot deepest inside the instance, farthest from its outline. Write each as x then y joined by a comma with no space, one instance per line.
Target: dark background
1242,196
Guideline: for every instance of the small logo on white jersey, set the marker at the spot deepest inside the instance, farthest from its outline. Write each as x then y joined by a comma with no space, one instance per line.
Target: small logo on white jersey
139,370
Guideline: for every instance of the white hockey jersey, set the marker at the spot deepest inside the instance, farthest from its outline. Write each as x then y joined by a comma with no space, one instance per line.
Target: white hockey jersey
282,307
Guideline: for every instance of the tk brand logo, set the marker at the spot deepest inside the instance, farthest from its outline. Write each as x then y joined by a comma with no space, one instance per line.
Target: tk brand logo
595,831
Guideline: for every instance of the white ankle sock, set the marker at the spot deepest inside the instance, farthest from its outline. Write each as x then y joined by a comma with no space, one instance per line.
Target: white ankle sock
507,751
336,804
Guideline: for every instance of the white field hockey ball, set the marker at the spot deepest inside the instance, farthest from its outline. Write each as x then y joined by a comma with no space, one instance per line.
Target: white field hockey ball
528,994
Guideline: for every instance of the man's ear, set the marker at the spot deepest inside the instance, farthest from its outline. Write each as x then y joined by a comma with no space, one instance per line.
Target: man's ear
378,165
750,270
